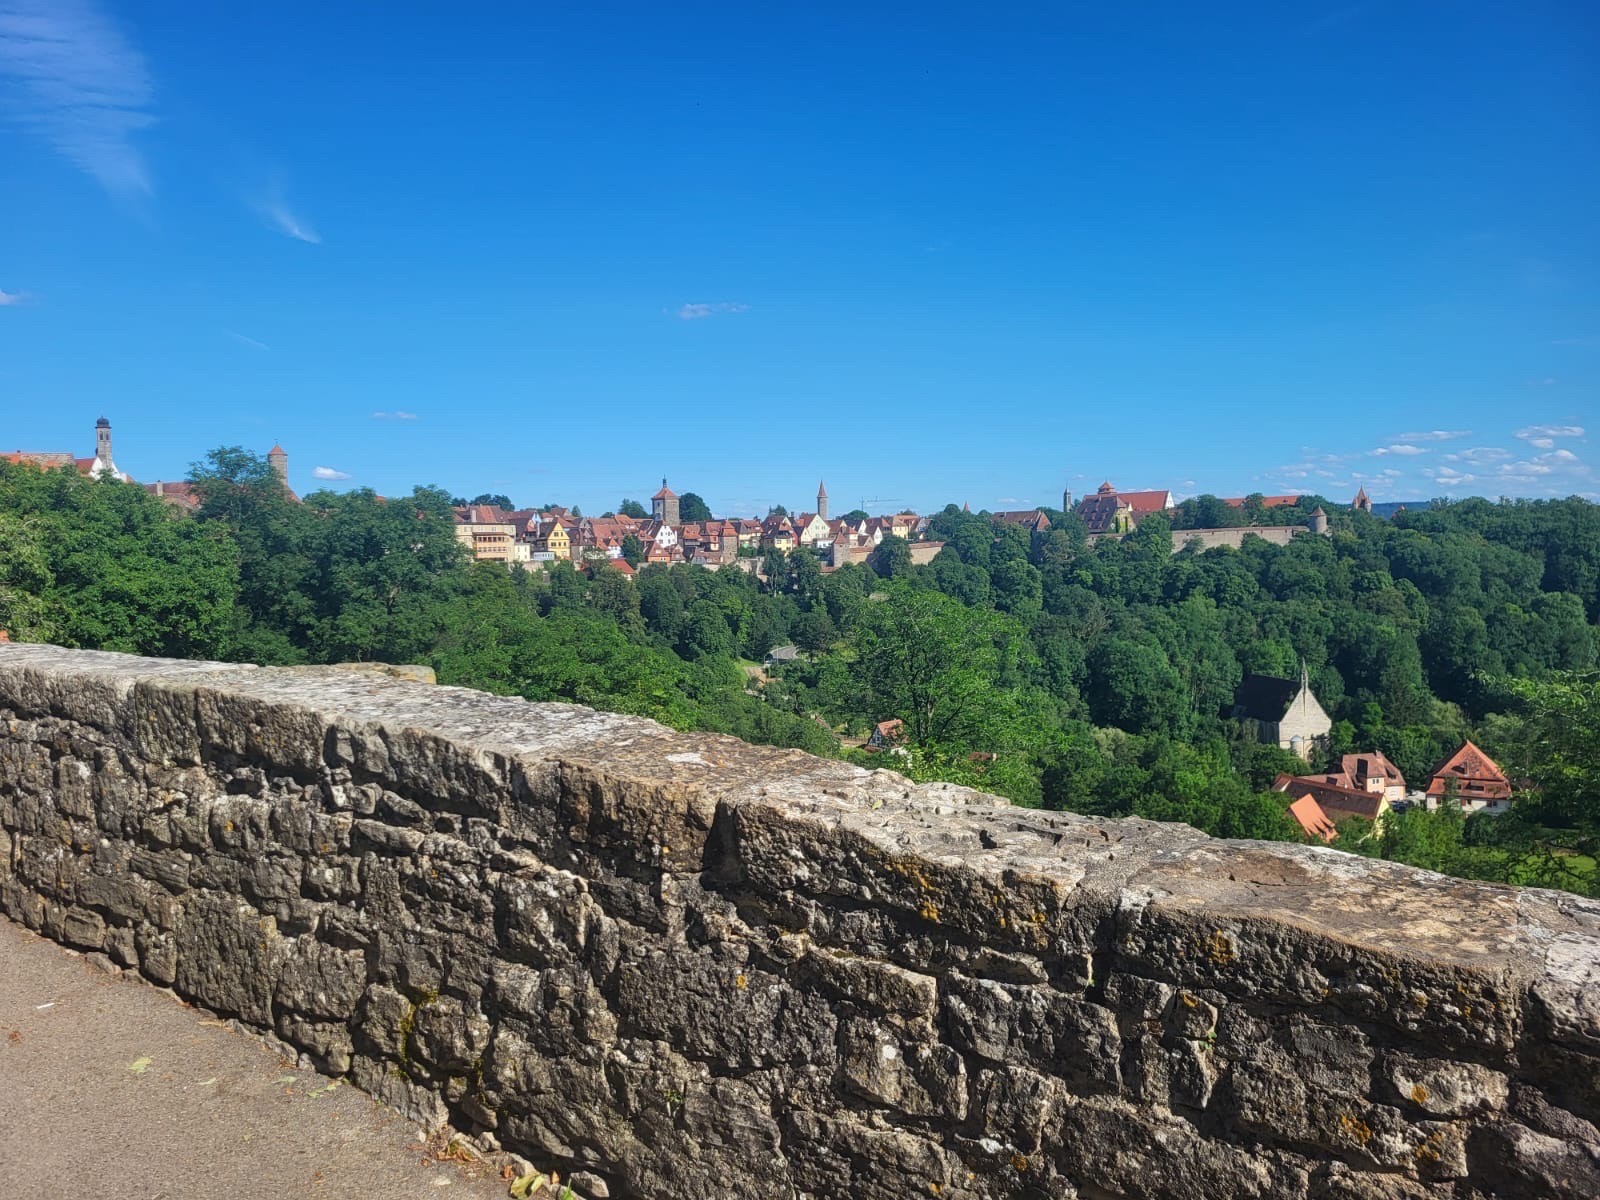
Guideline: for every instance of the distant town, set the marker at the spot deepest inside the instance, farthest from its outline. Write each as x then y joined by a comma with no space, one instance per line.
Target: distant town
678,529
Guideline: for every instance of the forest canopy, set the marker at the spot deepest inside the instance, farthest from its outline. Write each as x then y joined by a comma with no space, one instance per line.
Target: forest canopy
1091,677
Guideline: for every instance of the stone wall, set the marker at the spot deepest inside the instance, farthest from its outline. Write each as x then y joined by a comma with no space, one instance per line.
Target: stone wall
695,968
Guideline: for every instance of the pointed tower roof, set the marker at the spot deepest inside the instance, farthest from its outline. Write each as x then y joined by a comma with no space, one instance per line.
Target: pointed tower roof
665,493
1317,511
822,488
1361,494
277,451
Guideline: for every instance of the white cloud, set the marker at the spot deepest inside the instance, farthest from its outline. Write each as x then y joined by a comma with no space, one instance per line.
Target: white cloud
1543,437
1433,435
399,414
287,223
1480,455
10,299
699,312
327,473
77,83
1402,448
246,341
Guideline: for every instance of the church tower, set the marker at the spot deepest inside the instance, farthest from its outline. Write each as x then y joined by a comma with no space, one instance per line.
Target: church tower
822,500
278,460
102,441
1066,499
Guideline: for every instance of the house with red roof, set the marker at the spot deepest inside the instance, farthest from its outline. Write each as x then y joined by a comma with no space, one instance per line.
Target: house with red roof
1033,520
1474,780
1336,802
887,735
1111,513
1368,772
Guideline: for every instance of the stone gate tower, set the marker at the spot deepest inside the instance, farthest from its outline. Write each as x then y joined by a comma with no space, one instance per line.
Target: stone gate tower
664,505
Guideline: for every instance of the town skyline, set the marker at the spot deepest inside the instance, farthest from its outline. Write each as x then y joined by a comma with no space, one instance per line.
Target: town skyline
1317,476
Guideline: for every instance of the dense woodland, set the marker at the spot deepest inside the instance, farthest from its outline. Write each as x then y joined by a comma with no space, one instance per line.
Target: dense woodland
1090,678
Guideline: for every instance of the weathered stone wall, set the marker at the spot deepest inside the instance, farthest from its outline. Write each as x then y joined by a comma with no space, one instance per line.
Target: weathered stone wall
697,968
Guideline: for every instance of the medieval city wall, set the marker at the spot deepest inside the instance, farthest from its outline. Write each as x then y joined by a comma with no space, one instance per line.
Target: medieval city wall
692,967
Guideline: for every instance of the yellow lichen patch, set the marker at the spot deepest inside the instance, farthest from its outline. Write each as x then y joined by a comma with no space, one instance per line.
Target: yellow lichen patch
1220,948
1038,917
1419,1094
741,983
1019,1162
1354,1128
1188,1000
928,910
1429,1150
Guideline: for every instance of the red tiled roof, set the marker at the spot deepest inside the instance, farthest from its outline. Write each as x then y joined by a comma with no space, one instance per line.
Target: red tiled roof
1335,801
1032,519
43,459
1373,764
1308,814
1266,501
1099,512
665,493
1475,774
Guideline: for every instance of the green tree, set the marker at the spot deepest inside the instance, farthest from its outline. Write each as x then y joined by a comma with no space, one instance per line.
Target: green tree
1555,743
692,508
632,508
892,558
633,551
26,581
498,499
612,594
936,664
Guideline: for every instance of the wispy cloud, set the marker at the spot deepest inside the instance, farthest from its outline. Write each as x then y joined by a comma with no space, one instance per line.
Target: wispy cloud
399,414
328,473
1543,437
11,299
1433,435
246,341
1401,448
1480,455
286,222
73,79
699,312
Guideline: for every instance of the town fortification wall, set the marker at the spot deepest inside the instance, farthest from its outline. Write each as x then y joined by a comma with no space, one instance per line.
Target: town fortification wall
692,967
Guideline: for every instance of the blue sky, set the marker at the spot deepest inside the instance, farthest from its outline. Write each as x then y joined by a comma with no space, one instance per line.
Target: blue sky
928,251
